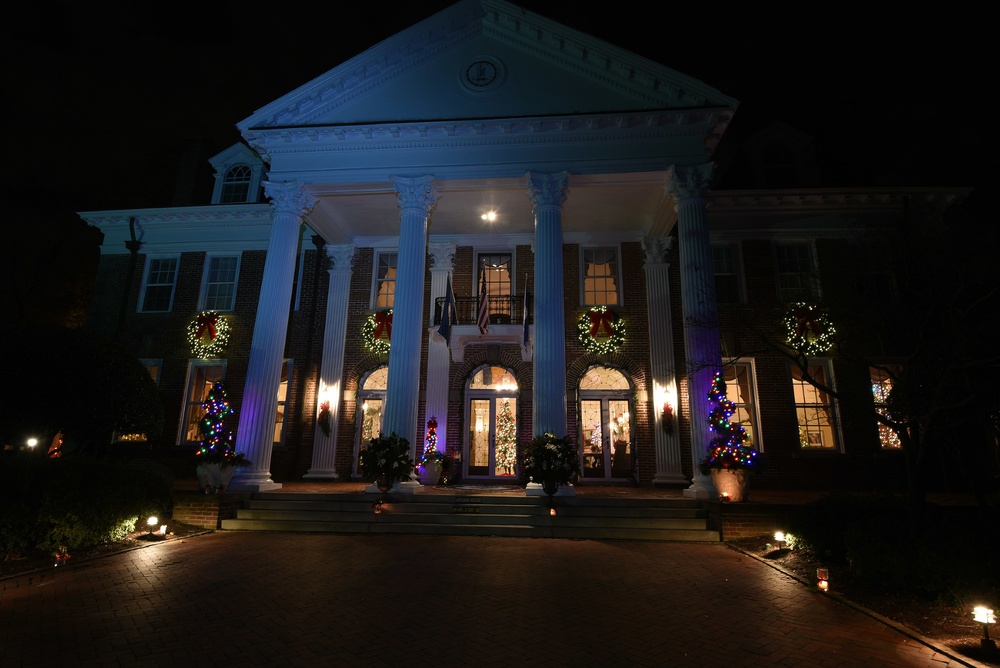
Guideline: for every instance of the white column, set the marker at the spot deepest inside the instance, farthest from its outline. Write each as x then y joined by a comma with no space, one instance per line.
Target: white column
416,199
661,362
331,370
548,193
438,356
702,345
258,409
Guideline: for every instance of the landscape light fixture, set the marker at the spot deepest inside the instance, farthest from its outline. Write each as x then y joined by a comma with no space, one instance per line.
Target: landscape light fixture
152,522
985,616
32,442
779,538
823,579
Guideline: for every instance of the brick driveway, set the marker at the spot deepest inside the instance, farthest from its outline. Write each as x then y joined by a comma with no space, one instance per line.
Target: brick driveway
257,599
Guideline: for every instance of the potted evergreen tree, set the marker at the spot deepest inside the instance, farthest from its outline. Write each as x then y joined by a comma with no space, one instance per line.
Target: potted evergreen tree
730,458
216,457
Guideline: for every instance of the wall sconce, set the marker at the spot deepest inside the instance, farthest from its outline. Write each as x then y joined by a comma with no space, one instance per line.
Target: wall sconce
823,579
985,616
667,419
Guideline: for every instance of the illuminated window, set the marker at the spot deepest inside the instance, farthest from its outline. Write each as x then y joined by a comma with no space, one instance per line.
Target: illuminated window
385,281
158,285
726,261
739,377
279,421
814,408
220,282
202,376
236,185
600,276
606,410
371,399
882,378
796,272
498,269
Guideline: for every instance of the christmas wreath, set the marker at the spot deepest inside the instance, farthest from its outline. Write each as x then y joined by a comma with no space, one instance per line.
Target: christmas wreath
808,328
600,330
377,324
208,335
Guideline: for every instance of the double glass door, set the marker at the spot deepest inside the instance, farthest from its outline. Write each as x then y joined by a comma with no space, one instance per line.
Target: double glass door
607,438
492,437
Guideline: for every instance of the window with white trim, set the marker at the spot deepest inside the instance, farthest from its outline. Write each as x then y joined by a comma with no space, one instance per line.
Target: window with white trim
385,280
202,375
726,263
814,407
219,290
742,391
796,272
236,184
158,284
279,422
600,276
883,376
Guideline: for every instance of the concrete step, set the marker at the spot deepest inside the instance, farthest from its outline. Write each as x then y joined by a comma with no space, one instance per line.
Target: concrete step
575,517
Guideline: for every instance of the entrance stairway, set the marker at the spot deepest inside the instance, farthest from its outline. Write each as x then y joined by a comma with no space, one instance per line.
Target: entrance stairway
476,515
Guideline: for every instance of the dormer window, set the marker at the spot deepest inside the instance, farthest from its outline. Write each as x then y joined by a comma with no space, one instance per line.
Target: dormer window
236,185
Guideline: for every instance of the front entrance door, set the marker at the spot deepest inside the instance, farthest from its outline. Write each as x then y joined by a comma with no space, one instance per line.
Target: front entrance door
607,446
492,410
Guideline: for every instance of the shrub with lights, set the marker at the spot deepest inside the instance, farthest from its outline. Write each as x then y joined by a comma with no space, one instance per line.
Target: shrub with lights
600,330
207,335
808,329
729,449
378,324
216,446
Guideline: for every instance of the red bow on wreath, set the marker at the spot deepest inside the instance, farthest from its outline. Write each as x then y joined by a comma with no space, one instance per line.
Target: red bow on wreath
600,319
805,323
207,321
383,321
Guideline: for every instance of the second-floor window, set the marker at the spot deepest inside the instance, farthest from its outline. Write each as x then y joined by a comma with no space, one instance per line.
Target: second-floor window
796,272
220,282
726,262
385,280
158,285
600,276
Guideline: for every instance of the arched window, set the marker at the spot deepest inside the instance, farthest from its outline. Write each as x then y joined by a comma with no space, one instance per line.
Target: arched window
236,185
606,410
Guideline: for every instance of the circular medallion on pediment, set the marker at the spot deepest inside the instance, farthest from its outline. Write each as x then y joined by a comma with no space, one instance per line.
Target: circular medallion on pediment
482,74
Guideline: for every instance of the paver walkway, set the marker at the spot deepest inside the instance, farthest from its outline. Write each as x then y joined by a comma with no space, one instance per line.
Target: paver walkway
257,599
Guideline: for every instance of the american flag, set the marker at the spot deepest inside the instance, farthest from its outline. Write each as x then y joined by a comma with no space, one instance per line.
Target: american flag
484,308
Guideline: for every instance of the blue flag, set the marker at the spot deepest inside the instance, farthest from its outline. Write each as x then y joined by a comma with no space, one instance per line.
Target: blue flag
527,315
448,315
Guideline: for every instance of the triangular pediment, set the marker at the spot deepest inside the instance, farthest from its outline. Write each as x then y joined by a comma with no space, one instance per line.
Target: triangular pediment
485,59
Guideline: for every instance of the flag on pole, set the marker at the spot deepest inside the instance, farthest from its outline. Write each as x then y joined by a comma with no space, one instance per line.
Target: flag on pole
527,315
449,316
484,308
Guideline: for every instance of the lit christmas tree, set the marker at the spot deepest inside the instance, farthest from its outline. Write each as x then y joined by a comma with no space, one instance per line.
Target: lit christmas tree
430,443
216,440
728,450
506,440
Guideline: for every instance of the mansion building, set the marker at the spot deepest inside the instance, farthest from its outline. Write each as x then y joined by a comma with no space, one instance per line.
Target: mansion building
556,193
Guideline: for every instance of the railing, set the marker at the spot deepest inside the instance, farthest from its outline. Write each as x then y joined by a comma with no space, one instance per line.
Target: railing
504,310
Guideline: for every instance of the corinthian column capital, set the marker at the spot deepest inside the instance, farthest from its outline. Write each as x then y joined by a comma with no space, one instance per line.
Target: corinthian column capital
689,182
547,190
415,193
289,197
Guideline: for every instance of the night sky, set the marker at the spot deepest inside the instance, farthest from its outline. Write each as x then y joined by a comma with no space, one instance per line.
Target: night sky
99,97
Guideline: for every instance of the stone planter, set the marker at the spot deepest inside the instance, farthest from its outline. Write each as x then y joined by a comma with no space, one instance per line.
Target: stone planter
213,477
430,473
731,484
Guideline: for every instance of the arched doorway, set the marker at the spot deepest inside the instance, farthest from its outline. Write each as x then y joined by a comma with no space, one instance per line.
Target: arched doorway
371,400
491,443
606,410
